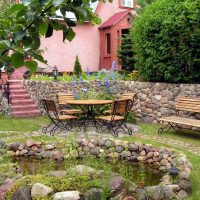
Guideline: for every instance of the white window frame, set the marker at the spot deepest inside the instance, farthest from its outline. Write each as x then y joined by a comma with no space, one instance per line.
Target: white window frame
126,3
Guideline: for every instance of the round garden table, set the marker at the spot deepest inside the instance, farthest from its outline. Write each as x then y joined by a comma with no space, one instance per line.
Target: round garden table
91,108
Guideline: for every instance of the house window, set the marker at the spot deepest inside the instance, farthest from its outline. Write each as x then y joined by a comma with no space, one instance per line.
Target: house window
108,43
127,3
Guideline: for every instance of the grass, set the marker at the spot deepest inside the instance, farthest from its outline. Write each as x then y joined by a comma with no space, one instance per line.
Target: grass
22,125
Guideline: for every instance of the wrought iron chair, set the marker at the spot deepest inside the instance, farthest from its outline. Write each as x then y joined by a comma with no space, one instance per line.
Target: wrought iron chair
118,117
130,96
62,101
63,122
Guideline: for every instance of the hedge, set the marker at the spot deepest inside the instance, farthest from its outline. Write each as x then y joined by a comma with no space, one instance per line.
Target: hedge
166,39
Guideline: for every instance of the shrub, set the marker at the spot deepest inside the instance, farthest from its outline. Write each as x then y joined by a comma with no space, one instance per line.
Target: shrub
125,53
77,67
167,41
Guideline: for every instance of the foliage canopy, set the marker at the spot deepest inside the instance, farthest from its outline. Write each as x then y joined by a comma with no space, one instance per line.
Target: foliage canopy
24,24
167,41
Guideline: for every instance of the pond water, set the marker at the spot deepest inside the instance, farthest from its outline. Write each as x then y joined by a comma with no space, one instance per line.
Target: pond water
133,171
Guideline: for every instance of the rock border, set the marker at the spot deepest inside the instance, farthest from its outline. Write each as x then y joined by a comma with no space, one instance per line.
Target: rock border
158,158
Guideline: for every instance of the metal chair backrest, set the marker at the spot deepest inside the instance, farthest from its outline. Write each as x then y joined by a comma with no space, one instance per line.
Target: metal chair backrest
64,97
121,106
50,108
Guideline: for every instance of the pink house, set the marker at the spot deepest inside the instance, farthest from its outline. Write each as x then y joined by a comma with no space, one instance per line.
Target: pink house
96,45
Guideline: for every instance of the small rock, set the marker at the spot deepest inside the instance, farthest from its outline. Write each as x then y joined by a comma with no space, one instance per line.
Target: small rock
57,173
93,194
40,190
23,193
164,162
95,151
82,170
150,155
143,153
115,183
67,195
155,192
125,154
182,195
132,147
185,185
129,198
141,158
13,147
22,152
119,149
49,147
29,143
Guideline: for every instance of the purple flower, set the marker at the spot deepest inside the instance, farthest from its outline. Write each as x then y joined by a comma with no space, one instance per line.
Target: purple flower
88,71
107,85
113,66
112,73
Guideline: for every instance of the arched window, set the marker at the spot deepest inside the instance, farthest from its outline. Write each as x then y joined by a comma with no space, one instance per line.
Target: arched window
108,43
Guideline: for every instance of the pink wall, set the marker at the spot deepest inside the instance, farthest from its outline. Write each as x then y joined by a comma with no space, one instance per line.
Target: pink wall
86,44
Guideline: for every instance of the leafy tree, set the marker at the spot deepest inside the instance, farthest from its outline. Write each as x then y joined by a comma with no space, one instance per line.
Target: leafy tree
24,24
77,67
167,41
142,4
126,54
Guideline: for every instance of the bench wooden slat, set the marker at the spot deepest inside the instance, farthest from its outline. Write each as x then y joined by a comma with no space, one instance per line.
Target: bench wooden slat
188,104
182,121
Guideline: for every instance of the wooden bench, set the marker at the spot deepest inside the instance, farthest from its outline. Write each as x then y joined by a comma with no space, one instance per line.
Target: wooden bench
176,122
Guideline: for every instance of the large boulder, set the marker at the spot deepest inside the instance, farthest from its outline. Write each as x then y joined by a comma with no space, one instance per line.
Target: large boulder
40,190
67,195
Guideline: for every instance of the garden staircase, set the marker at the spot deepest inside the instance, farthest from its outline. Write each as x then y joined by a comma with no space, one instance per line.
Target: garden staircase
20,101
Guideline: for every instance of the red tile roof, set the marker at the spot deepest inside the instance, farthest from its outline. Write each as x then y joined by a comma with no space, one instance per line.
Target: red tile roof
114,19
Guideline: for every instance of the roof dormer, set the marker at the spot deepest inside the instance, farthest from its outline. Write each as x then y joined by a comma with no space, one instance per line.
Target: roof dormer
126,3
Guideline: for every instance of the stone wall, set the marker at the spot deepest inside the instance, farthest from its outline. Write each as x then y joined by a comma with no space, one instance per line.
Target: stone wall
153,101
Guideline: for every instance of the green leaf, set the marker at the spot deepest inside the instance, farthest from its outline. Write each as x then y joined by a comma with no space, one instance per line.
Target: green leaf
17,59
16,8
49,32
57,2
69,34
43,28
19,35
4,44
32,65
35,43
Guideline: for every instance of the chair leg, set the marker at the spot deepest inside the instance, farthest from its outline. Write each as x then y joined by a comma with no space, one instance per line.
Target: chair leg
45,129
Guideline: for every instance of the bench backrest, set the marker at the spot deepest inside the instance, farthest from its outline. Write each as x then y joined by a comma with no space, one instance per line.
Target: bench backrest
188,104
64,97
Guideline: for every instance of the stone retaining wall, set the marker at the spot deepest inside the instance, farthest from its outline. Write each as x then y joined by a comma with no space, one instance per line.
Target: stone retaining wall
153,101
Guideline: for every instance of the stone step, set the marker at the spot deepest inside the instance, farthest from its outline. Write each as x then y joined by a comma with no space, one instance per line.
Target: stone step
16,87
18,92
23,102
19,96
13,81
26,114
30,107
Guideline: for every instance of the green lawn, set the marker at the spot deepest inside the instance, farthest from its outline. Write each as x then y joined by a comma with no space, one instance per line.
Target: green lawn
29,125
22,125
